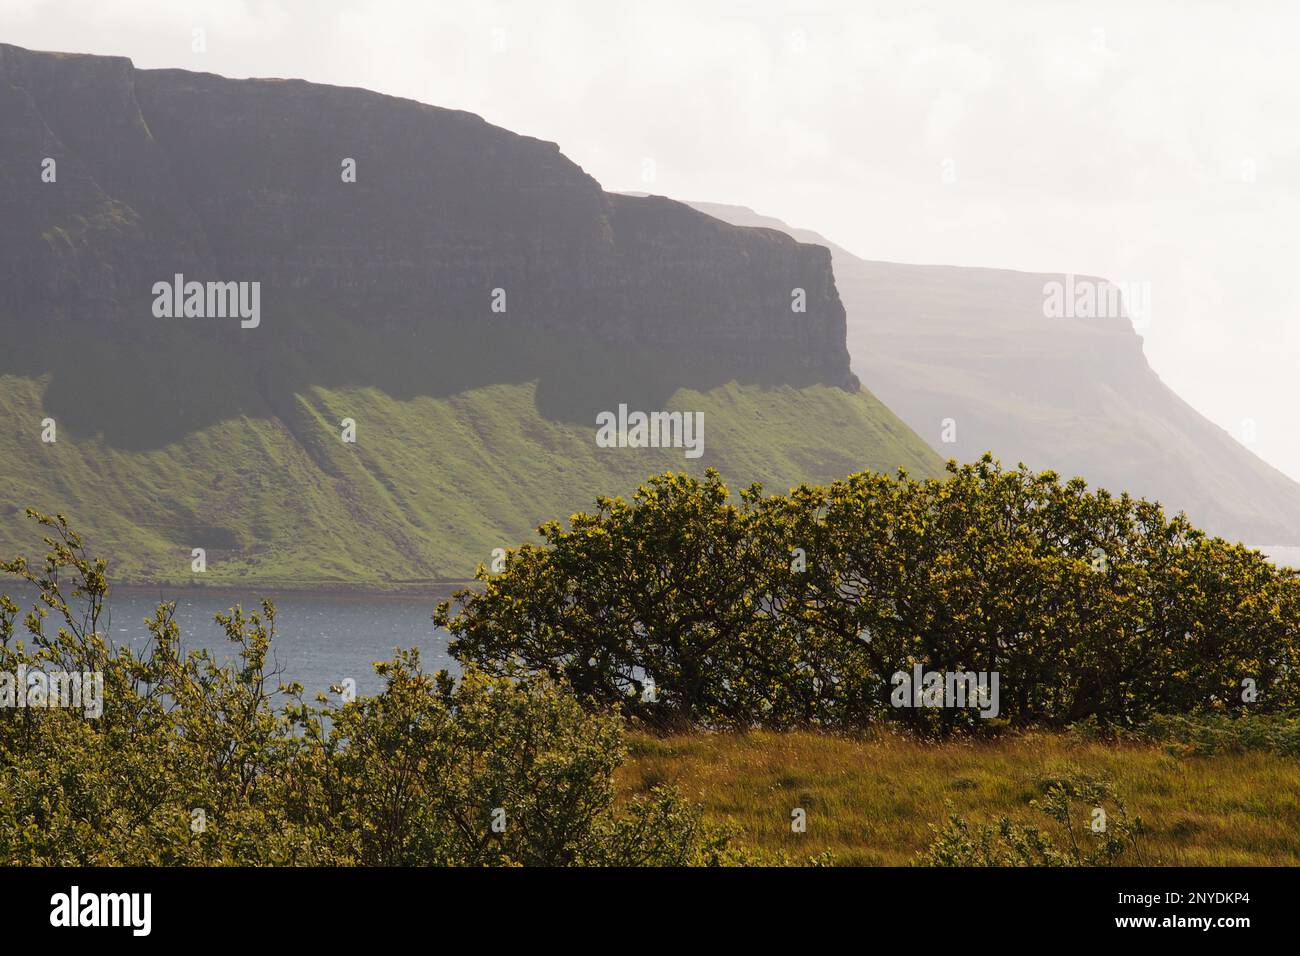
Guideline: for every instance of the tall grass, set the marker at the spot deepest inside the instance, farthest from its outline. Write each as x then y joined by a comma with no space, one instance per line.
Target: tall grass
873,800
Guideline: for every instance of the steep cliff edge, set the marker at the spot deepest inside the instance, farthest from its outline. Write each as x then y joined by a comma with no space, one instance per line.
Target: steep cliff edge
1072,394
165,171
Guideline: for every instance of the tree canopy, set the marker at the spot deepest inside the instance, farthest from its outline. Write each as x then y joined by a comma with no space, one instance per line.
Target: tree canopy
686,604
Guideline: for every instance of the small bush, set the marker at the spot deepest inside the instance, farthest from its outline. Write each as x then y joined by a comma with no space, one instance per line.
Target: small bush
1089,827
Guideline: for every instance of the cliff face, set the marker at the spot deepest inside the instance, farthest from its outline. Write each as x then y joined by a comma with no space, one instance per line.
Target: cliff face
164,171
81,246
376,307
1072,394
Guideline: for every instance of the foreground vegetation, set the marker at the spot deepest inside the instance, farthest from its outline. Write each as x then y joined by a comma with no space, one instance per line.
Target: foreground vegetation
1147,711
191,762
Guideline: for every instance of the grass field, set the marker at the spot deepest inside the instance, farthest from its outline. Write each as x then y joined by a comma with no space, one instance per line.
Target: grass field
872,801
432,485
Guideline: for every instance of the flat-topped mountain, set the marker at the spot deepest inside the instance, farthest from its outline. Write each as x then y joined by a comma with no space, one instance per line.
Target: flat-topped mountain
469,298
1069,392
165,171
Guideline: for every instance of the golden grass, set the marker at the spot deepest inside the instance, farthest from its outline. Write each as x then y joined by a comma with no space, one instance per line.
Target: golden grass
871,800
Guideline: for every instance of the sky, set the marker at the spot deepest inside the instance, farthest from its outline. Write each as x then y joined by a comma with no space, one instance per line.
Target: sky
1144,141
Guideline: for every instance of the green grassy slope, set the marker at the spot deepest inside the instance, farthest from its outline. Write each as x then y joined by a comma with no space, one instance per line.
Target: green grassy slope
432,485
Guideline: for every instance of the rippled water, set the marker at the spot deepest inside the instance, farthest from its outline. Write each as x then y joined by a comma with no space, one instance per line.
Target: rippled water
321,639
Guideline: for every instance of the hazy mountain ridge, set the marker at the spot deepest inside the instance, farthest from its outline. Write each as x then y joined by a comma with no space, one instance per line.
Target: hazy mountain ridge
472,425
1072,394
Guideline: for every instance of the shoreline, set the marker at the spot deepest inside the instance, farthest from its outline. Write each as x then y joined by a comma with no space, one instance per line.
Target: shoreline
438,590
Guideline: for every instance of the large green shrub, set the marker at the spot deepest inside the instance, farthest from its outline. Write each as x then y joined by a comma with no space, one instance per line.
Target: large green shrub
686,605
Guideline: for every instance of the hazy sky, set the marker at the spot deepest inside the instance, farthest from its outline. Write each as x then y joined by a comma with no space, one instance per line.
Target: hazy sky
1144,141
